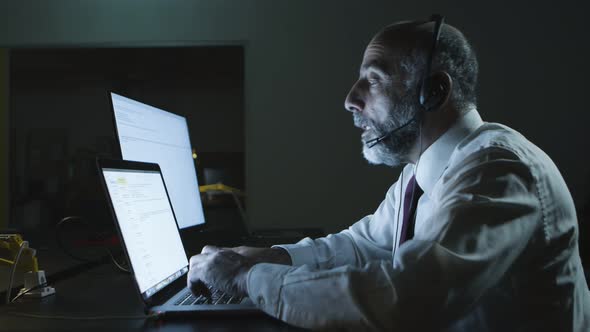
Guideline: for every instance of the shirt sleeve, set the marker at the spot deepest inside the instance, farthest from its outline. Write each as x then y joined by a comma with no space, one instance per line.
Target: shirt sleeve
487,211
370,238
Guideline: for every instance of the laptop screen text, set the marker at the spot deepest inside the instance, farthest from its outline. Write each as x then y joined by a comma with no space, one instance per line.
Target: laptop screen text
149,230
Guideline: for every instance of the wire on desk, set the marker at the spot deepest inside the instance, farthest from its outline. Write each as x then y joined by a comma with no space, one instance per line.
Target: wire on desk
27,290
240,207
13,271
60,240
60,317
61,244
117,264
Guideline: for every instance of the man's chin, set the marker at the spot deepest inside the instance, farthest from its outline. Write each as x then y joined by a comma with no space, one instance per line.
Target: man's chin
371,158
376,156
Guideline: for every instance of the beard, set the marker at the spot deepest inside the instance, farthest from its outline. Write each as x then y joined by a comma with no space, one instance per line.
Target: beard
394,150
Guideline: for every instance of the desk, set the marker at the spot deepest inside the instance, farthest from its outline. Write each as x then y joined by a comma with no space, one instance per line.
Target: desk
104,290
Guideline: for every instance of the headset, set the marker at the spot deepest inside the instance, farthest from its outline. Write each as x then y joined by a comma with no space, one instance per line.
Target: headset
429,97
430,102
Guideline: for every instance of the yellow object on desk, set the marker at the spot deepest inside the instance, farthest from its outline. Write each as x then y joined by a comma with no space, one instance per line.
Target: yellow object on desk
16,253
10,244
219,187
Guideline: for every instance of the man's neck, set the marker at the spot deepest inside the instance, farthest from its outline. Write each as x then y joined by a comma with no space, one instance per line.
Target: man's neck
433,125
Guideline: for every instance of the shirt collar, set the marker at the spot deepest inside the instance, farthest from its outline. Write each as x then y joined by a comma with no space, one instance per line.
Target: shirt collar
435,158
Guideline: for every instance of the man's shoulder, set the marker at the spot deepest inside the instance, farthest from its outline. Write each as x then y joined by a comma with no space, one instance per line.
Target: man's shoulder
491,134
497,152
491,139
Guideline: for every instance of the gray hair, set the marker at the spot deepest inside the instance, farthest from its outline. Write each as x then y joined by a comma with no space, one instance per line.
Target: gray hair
453,55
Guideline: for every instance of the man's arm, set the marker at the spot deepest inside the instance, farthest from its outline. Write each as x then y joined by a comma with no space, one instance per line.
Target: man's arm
371,238
368,239
256,255
488,212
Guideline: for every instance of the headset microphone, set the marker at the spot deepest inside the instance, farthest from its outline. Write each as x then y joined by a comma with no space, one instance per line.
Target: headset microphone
372,142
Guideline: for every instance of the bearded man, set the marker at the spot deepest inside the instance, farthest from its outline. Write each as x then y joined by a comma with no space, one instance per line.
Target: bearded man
479,233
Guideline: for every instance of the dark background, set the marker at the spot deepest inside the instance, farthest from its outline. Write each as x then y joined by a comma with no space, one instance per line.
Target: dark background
62,119
302,158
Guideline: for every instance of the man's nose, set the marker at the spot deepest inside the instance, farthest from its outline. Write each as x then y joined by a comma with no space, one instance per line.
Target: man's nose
353,101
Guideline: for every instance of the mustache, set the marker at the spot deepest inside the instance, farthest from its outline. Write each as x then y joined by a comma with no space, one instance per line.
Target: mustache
361,122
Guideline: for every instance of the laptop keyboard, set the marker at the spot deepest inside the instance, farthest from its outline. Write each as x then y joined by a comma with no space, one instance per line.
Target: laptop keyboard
217,297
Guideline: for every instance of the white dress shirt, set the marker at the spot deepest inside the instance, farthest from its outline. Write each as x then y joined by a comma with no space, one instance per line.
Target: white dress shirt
495,248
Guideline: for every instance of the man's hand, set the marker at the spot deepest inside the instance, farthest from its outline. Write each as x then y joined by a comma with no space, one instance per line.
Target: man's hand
223,269
227,268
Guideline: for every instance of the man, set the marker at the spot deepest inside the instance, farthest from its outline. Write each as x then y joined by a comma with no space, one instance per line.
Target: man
479,233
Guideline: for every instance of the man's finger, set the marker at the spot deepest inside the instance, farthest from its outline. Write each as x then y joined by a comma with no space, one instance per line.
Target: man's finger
196,259
199,288
194,281
209,249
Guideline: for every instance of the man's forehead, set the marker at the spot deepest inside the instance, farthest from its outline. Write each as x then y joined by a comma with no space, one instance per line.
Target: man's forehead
381,57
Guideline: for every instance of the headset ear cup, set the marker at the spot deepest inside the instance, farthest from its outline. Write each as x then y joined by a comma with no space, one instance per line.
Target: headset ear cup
432,100
436,97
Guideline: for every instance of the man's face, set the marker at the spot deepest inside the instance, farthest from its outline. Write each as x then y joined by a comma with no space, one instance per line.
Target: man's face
380,102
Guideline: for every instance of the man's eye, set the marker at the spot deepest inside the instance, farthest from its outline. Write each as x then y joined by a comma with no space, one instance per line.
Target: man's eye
373,81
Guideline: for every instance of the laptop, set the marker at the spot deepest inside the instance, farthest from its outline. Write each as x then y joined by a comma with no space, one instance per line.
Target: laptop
148,229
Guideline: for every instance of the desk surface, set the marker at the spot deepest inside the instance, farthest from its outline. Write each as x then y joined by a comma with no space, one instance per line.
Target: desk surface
105,291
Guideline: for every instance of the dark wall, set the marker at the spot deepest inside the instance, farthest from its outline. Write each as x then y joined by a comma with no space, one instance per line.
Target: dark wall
303,161
62,119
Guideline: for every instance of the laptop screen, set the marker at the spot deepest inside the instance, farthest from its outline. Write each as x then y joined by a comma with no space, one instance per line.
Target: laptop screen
149,230
149,134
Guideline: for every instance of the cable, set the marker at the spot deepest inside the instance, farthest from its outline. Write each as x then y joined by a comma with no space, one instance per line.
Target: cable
20,314
414,175
68,218
23,245
399,207
60,243
24,291
240,207
117,264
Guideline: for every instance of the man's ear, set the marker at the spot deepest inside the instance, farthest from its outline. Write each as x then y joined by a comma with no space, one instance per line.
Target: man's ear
439,91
